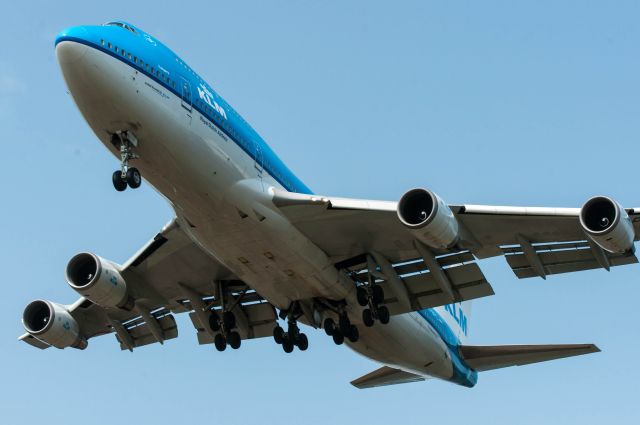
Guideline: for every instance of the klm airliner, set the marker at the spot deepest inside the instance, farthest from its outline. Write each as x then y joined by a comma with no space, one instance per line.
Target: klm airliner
252,252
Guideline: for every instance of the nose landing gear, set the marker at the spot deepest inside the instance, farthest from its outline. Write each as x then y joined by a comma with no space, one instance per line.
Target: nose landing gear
126,176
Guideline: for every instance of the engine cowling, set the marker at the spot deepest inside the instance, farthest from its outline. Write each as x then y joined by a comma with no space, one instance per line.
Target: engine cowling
97,280
607,224
428,218
53,324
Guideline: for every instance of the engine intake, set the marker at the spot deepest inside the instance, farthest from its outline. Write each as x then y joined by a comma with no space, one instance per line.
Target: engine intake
53,324
97,280
607,224
429,218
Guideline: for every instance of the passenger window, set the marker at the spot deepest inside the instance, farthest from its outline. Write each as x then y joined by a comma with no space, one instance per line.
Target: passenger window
102,42
109,45
116,49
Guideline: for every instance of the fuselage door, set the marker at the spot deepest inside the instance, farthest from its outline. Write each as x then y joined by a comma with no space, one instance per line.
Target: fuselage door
186,94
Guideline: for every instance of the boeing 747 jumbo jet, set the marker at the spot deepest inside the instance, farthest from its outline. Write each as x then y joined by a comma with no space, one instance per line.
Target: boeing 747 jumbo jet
251,246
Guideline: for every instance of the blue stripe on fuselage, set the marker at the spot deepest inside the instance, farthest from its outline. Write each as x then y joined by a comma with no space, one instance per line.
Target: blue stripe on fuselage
462,374
154,52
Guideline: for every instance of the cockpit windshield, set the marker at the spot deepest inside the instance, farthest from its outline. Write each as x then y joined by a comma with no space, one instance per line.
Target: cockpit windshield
121,25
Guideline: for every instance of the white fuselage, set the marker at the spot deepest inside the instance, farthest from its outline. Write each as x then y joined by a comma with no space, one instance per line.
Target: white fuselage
223,201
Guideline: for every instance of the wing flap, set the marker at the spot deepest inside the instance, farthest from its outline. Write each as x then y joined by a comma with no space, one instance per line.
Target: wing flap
386,376
561,258
491,357
141,334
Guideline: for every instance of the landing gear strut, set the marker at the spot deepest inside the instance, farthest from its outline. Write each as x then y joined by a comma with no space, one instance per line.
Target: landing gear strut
126,176
372,296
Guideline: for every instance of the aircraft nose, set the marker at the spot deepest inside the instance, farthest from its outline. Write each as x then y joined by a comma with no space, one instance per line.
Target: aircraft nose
70,47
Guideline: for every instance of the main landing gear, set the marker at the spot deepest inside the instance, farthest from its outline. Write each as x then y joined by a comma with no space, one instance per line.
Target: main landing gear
126,176
292,337
225,326
343,329
372,297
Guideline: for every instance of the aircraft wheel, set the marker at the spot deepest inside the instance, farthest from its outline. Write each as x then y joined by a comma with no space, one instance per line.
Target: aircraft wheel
367,317
287,344
220,342
134,179
234,340
329,326
383,314
228,320
278,334
303,342
338,337
354,334
362,296
118,182
214,322
344,324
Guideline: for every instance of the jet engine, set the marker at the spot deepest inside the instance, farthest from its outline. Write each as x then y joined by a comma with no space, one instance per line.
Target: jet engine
97,280
428,218
607,224
52,323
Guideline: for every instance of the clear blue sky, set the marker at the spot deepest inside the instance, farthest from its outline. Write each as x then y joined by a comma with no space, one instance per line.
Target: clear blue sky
493,102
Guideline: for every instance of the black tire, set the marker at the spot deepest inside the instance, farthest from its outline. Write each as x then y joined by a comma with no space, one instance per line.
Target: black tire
214,322
378,294
338,337
134,179
344,324
303,342
234,340
354,334
220,342
383,314
228,320
278,334
119,184
367,317
362,296
329,326
287,344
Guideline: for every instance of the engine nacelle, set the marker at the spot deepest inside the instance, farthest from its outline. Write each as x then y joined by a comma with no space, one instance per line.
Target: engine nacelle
607,224
52,323
428,218
97,280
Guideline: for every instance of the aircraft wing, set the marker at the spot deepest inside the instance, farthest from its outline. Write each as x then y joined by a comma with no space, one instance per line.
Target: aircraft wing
362,235
171,274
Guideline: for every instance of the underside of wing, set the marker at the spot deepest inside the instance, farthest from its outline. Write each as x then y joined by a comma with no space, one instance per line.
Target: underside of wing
168,275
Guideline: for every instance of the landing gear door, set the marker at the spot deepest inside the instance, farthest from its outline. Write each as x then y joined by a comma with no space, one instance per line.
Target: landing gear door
186,94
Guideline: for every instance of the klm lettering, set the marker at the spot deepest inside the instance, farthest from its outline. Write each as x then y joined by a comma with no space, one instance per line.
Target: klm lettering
458,315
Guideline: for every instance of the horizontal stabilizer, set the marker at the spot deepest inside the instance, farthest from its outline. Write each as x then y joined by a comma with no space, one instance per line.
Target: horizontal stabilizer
385,376
488,357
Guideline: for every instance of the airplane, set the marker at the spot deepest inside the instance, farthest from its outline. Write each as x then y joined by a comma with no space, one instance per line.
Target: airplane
252,252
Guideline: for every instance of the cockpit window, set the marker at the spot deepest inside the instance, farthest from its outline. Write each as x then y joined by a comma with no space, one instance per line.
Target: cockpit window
121,25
